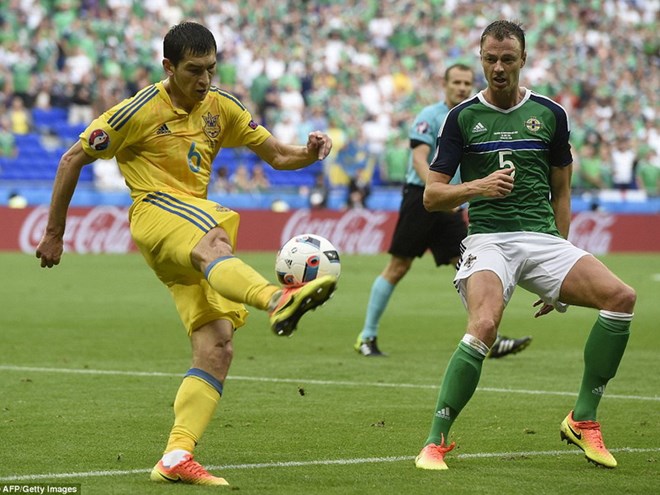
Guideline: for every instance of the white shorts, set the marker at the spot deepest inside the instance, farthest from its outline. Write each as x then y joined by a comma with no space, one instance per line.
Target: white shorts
534,261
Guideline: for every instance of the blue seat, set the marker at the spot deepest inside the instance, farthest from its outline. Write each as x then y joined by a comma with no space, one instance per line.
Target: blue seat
31,140
68,132
44,163
12,174
297,178
87,174
49,118
29,154
41,174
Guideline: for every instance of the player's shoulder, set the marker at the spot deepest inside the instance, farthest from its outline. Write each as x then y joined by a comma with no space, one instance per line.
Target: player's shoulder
468,103
134,108
432,110
547,102
434,107
225,99
463,108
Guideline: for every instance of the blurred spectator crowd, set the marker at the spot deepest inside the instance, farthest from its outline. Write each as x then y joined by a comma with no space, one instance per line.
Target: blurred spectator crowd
357,69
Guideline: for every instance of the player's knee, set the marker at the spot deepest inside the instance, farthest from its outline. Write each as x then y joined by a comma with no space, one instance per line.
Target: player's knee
218,241
215,244
219,356
223,351
485,329
397,269
397,274
624,300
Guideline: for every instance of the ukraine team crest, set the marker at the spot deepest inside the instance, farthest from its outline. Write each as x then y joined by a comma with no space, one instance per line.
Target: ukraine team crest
211,128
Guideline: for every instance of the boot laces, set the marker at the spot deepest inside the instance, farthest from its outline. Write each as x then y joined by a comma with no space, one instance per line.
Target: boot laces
194,467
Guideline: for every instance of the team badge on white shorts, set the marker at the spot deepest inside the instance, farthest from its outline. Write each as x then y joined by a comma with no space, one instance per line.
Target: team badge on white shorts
469,261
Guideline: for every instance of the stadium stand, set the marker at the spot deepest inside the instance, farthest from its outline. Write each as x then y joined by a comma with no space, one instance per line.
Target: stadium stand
372,67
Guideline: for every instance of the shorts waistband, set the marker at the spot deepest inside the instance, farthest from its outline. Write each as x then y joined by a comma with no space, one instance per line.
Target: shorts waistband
415,186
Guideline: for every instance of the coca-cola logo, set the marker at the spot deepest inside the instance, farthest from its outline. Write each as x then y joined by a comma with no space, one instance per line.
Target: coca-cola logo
591,231
354,232
103,229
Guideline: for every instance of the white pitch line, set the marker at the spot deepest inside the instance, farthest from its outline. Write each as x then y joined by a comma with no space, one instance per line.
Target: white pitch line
299,381
86,371
320,462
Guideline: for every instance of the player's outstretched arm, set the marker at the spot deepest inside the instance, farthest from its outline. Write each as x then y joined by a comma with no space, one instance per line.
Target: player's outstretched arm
51,245
291,157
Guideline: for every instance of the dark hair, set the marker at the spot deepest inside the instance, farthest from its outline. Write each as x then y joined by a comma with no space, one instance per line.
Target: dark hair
504,29
187,38
458,66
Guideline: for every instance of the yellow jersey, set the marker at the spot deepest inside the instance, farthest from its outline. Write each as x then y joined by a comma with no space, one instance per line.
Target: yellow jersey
163,148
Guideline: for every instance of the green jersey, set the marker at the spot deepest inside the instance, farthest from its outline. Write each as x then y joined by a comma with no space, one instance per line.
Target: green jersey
531,137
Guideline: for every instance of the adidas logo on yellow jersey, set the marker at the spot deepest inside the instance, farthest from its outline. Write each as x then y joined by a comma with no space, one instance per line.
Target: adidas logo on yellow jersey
163,129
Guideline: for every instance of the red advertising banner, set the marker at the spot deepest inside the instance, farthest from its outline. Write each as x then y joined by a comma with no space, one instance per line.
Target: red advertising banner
105,229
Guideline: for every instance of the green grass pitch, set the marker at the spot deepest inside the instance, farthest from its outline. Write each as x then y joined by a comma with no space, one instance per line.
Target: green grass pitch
93,353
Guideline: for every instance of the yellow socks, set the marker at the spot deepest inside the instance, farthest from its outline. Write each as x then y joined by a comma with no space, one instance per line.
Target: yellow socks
235,280
194,406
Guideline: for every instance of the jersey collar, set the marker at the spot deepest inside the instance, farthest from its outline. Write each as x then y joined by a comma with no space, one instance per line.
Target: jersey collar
525,97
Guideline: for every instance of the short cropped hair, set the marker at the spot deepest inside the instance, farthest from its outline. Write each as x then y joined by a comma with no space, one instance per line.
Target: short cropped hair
504,29
457,66
187,38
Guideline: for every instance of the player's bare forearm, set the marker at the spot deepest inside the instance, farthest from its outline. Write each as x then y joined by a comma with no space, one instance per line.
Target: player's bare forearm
560,180
291,157
51,245
294,158
439,195
562,209
63,189
420,154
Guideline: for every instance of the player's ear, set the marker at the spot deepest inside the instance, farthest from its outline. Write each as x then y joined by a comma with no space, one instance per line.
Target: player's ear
168,66
524,58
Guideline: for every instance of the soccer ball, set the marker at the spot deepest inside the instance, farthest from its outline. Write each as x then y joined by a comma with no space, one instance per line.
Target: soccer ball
304,258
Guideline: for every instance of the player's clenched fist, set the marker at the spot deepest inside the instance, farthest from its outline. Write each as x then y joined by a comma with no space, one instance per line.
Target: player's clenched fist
320,142
49,251
498,184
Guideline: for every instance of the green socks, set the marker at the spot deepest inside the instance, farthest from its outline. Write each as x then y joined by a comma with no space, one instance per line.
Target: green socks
458,386
602,355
